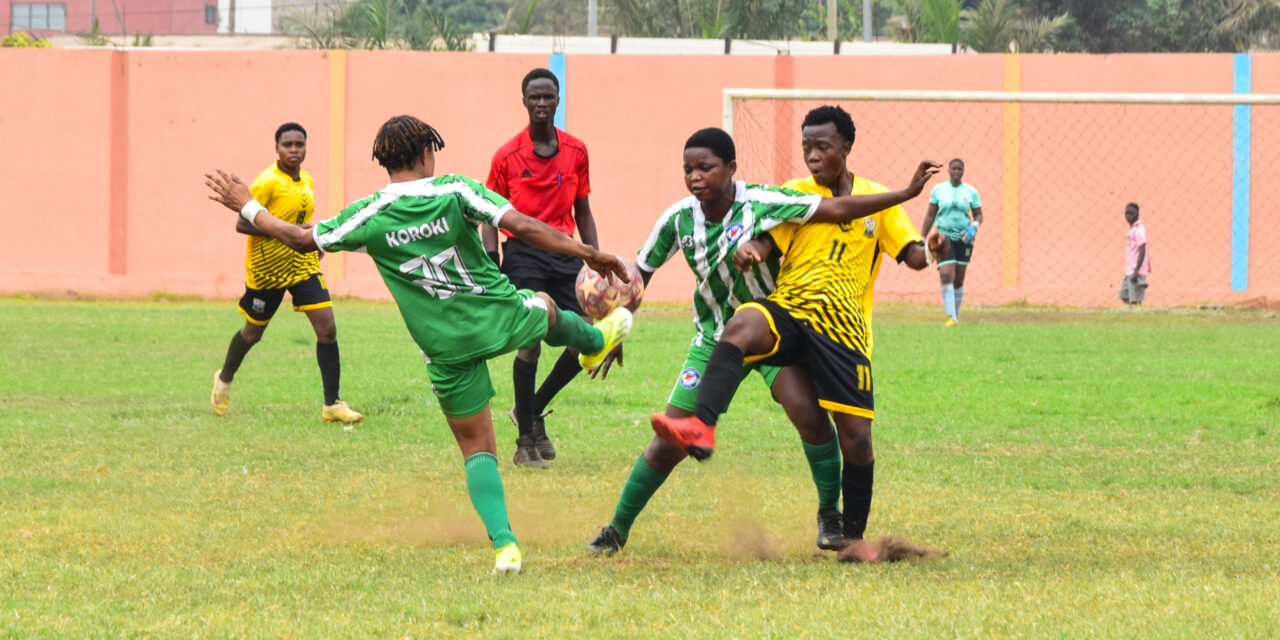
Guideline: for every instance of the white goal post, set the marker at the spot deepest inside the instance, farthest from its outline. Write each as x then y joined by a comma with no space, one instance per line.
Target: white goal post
732,95
1055,171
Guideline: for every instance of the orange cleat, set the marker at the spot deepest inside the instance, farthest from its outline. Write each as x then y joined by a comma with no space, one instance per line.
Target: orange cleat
857,551
690,434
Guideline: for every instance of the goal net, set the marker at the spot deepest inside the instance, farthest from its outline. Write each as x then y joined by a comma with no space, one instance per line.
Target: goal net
1054,173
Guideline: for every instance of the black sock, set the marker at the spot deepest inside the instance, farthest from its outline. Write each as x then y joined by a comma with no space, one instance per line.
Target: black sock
235,355
719,383
523,375
330,370
857,482
564,371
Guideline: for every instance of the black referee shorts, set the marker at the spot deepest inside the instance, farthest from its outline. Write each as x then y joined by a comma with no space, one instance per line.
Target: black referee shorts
841,375
529,267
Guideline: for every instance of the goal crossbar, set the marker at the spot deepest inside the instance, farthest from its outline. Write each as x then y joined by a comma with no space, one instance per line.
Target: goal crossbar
990,96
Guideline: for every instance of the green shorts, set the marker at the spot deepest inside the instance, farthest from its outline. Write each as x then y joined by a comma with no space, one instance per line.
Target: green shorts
685,394
463,388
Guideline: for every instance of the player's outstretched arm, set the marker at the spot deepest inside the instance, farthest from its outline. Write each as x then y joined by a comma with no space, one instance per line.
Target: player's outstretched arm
243,226
234,194
538,234
848,208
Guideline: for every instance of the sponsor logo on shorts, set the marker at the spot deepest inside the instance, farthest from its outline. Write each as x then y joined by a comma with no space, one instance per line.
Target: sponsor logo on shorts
259,305
689,378
733,232
870,231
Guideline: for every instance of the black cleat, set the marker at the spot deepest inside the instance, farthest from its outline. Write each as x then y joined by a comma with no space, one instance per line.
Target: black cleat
527,454
607,543
830,530
538,431
540,439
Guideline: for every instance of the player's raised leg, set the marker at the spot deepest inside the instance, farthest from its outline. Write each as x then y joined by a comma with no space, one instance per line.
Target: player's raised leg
749,331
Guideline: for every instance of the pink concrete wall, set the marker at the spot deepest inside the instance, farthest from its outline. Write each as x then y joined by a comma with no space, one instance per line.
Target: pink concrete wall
114,146
54,168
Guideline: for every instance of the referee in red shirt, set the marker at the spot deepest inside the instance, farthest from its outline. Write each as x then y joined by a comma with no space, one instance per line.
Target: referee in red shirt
543,172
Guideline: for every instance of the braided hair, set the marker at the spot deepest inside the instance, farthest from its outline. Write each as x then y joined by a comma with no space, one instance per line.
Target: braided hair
401,141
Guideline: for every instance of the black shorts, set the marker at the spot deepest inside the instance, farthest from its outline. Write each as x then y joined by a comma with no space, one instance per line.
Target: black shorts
258,305
841,375
556,274
958,253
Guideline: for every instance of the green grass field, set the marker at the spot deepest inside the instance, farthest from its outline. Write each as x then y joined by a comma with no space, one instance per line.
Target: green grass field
1093,474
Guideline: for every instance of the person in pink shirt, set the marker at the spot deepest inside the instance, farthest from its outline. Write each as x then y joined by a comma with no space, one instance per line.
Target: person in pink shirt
1133,289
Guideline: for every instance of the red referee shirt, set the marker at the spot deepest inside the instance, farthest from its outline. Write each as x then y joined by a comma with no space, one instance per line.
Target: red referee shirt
544,188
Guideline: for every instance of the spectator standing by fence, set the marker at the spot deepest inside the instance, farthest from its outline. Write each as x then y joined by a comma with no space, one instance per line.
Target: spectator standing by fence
1133,288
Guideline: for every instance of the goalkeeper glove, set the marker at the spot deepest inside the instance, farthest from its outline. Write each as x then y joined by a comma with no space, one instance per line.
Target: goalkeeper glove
970,232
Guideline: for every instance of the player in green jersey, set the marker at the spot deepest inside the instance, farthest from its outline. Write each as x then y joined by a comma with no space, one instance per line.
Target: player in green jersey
707,227
461,311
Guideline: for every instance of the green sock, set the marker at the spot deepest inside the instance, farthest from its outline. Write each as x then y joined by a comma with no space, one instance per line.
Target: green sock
572,331
484,485
824,464
641,485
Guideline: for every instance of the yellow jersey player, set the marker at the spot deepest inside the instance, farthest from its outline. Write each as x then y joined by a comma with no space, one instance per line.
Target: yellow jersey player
271,268
819,313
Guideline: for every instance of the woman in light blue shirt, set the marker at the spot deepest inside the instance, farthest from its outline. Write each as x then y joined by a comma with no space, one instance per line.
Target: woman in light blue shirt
957,210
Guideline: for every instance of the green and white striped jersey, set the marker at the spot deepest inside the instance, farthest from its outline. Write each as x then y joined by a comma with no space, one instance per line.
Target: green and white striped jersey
708,248
423,237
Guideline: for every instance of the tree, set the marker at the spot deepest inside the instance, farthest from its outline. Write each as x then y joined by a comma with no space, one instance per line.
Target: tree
990,27
756,19
940,20
376,24
1246,23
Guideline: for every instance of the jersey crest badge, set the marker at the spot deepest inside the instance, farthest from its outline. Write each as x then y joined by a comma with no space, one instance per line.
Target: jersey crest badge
870,230
689,378
733,232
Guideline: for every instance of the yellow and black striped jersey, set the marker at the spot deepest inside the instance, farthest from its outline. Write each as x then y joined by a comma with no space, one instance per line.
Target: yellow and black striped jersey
269,263
830,269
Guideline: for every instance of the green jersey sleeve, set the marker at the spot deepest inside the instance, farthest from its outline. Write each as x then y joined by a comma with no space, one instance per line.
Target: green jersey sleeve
348,230
480,205
662,242
774,205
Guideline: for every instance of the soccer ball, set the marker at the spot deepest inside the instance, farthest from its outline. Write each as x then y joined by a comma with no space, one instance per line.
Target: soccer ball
632,292
599,296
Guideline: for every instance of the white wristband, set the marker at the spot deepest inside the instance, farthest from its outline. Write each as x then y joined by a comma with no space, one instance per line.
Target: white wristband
251,210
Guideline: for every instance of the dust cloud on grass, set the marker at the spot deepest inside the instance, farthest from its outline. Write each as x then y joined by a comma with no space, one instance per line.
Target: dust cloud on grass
894,549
